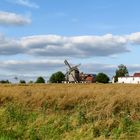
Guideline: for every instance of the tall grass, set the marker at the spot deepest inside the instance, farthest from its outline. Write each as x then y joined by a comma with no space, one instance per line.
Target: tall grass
70,111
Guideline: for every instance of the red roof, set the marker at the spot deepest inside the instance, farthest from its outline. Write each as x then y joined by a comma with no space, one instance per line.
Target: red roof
136,74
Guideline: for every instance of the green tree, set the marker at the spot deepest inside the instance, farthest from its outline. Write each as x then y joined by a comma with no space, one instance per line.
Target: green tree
22,82
30,82
57,77
122,71
102,78
40,80
4,82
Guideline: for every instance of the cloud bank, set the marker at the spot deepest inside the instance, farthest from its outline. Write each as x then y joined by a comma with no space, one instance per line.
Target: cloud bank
8,18
54,46
75,47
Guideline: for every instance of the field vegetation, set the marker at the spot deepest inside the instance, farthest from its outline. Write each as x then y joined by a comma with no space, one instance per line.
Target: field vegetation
69,112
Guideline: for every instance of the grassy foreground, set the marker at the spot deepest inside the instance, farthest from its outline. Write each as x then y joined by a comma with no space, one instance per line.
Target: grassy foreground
70,112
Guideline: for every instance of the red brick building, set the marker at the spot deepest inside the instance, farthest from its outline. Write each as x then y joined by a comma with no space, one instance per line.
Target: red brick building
88,78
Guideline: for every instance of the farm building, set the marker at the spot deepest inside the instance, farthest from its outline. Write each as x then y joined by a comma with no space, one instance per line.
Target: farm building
135,79
87,78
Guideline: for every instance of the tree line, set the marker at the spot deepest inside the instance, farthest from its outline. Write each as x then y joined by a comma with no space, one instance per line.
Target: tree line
40,79
58,77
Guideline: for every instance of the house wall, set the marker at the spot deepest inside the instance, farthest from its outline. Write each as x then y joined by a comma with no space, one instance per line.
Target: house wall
89,79
129,80
113,80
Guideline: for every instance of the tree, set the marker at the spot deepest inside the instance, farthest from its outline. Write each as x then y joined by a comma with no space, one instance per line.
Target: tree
40,80
122,71
4,82
102,78
30,82
22,82
57,77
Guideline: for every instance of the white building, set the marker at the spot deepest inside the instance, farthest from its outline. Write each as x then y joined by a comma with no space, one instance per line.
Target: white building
135,79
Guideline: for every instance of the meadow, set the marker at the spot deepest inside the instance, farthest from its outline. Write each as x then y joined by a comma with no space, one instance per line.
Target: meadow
70,112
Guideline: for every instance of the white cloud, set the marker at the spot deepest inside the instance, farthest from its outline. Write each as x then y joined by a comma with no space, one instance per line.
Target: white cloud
26,3
8,18
134,38
10,46
99,67
134,68
31,67
75,47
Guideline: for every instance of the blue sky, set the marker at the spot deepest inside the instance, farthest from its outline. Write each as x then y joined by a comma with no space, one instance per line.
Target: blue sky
37,35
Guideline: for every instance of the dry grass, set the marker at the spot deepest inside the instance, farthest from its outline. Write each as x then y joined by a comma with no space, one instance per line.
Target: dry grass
107,97
102,108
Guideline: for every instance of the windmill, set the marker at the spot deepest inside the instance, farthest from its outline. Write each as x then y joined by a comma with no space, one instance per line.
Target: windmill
72,74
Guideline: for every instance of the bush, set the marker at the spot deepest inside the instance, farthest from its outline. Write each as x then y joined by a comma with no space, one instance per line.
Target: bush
102,78
40,80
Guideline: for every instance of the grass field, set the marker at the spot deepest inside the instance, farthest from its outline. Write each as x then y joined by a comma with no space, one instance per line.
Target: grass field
70,112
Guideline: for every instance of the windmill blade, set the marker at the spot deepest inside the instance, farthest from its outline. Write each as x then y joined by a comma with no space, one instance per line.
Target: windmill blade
66,63
66,75
77,65
71,69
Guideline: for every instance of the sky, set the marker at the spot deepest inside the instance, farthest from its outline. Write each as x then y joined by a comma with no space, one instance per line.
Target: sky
36,36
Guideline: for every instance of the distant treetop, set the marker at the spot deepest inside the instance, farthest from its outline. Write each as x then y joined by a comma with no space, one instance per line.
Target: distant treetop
40,80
